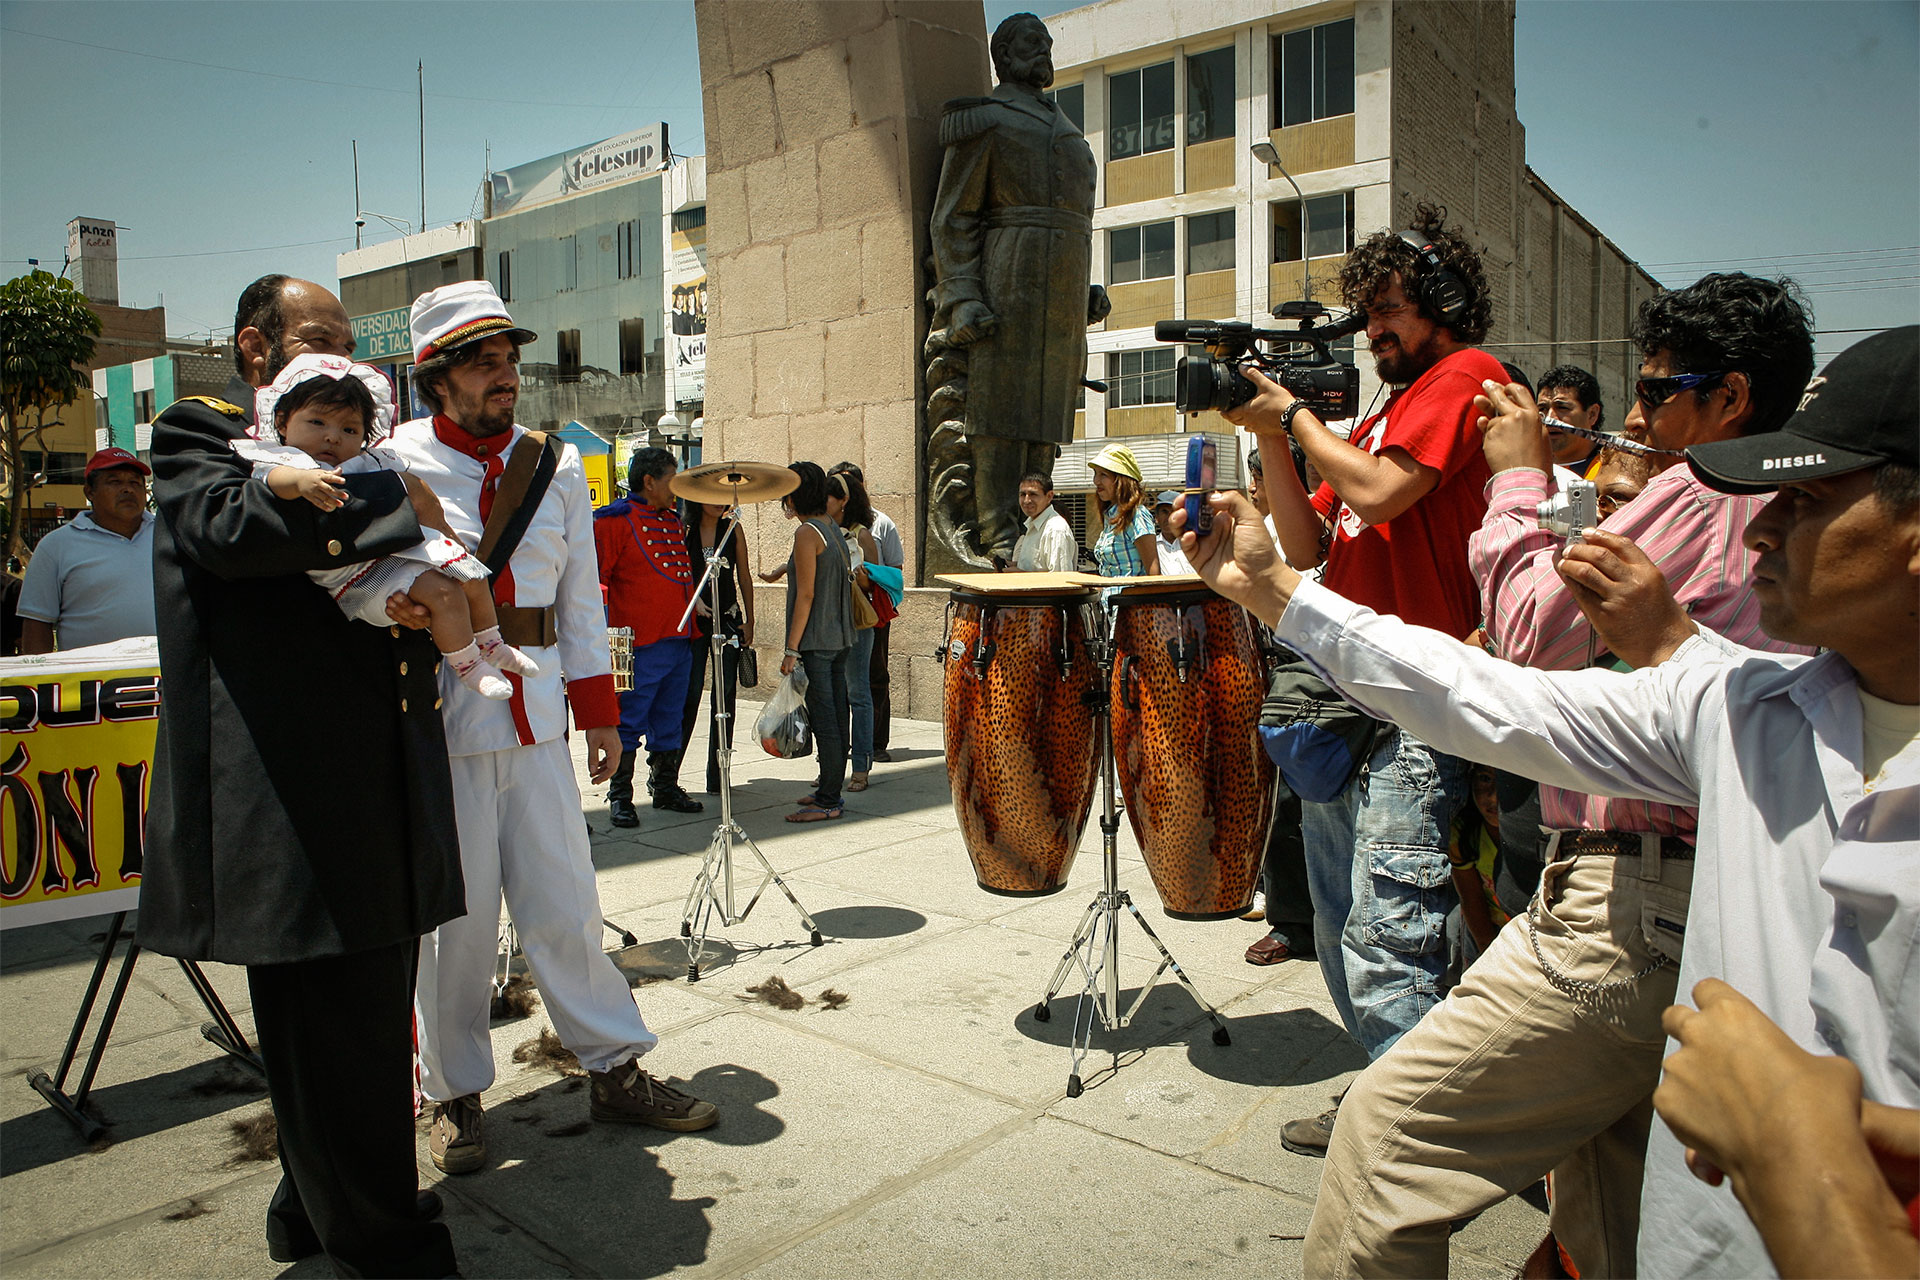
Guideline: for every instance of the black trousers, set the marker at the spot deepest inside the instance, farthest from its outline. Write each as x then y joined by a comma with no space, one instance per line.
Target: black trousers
881,686
337,1038
1284,869
697,703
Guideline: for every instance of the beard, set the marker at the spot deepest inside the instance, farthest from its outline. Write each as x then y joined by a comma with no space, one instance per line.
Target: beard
1404,364
276,359
482,418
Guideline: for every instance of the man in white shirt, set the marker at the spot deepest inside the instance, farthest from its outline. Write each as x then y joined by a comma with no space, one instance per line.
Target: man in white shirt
91,580
1171,560
1806,893
1046,543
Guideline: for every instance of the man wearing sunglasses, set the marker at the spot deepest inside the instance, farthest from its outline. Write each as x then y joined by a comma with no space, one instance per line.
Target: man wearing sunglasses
1722,359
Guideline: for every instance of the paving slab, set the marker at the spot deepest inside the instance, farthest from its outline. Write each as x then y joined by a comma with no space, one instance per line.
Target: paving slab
1056,1200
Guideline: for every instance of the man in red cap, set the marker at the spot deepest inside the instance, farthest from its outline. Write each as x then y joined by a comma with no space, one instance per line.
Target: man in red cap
91,580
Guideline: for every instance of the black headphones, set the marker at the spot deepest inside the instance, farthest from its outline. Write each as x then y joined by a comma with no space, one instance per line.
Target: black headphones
1442,293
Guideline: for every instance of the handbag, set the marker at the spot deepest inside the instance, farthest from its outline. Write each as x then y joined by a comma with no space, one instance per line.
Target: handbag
883,606
747,670
1318,740
865,616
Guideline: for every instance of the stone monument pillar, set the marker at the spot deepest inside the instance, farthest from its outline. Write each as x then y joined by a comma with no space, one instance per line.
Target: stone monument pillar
823,156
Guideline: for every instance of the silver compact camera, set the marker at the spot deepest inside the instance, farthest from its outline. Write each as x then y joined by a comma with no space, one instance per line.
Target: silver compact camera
1574,508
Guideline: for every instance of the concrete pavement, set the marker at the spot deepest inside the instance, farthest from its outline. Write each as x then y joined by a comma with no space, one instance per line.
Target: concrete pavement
921,1129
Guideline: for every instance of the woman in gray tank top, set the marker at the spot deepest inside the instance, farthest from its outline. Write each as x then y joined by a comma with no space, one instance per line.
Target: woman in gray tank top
820,635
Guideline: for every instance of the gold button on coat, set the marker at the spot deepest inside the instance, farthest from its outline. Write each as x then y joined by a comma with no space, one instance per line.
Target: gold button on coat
333,546
403,704
403,668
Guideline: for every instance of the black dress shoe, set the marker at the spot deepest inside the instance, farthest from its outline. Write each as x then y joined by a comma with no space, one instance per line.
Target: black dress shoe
674,799
303,1243
622,813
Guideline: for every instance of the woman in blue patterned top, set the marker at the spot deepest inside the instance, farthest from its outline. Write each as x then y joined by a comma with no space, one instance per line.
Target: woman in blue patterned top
1127,546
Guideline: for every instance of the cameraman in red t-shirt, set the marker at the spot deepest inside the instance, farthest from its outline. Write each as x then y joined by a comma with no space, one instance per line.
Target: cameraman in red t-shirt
1401,497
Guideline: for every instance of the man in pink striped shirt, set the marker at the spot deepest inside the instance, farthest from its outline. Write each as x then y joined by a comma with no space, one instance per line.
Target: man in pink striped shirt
1562,1013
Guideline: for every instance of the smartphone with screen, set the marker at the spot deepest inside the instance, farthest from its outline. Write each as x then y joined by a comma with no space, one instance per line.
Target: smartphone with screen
1201,473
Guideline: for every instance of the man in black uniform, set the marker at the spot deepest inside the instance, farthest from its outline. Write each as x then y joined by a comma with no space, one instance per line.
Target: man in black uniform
301,821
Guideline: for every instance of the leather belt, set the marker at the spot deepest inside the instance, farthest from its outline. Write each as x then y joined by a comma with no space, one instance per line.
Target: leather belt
1039,215
522,628
1615,844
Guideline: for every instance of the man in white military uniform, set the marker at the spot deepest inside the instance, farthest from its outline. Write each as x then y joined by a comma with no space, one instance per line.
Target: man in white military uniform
517,805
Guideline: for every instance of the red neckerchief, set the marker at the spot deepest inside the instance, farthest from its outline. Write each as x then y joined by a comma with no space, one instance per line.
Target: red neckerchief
490,450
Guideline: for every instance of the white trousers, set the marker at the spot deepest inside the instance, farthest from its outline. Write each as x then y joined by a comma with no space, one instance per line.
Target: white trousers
521,832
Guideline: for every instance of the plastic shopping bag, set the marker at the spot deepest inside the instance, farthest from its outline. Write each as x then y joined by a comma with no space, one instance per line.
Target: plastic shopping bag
784,731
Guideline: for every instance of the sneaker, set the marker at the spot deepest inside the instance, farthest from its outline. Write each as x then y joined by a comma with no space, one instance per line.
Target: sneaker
1310,1137
1258,911
629,1094
458,1142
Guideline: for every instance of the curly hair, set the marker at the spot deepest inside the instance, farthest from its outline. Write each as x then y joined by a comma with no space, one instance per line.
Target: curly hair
1585,387
1373,262
1735,323
430,375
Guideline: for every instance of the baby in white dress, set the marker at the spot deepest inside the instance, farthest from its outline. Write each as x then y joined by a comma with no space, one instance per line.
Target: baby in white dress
319,422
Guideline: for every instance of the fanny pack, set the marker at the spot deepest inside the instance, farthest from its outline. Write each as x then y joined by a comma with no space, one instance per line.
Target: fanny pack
1318,740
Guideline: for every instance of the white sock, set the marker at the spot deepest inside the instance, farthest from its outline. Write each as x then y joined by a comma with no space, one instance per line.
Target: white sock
503,655
478,674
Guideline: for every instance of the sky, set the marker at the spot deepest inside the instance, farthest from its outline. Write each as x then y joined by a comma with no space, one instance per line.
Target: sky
1696,134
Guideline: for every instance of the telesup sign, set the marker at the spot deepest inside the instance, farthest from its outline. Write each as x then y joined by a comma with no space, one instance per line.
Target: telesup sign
571,172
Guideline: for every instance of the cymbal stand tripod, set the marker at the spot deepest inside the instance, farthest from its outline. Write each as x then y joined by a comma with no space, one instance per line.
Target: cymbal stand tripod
1095,948
713,888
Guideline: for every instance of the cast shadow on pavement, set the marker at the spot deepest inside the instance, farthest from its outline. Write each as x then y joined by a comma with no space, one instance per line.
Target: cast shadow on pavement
1267,1049
132,1109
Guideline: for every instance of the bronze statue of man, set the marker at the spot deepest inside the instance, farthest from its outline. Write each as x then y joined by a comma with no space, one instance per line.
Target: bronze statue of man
1012,234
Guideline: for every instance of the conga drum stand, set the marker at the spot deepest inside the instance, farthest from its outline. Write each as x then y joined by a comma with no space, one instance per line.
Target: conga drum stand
712,893
1095,949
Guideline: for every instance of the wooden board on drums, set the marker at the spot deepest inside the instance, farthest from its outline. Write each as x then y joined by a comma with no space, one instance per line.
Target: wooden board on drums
1017,583
1145,584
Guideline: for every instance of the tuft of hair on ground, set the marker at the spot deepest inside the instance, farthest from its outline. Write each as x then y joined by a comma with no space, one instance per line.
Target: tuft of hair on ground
256,1138
570,1130
545,1050
228,1078
519,998
774,991
193,1208
831,999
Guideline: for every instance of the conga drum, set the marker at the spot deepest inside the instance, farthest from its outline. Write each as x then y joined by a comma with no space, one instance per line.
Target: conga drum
1019,734
1187,683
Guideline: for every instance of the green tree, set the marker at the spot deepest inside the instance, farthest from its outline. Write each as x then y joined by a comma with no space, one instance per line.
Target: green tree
46,340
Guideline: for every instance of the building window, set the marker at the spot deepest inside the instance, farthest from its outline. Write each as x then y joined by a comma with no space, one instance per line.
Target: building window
503,274
688,219
1210,95
1313,70
633,346
1136,378
567,368
569,265
53,468
1210,242
1329,219
627,242
1140,111
1072,101
1140,253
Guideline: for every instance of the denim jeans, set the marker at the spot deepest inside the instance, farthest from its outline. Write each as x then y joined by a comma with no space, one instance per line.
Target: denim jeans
827,715
1377,867
860,699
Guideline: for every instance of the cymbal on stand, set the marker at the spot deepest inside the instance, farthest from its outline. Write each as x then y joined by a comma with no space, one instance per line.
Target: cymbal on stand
734,482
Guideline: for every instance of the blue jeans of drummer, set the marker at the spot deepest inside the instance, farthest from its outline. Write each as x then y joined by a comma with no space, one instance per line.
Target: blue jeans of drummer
1377,869
860,699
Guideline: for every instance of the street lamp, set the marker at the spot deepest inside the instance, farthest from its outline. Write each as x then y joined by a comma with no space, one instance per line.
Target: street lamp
1265,153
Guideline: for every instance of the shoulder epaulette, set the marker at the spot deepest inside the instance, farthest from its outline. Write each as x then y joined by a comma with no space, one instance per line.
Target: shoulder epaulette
964,118
618,507
218,406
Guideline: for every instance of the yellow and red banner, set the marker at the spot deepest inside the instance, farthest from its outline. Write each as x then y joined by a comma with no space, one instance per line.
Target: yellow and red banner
76,766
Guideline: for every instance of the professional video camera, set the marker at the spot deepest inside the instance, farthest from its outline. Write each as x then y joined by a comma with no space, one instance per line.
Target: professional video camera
1330,388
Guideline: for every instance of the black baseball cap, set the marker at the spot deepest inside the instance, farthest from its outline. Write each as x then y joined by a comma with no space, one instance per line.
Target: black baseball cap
1863,409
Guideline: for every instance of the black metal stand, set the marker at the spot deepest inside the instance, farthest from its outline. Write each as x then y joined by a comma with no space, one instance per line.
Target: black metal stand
712,891
222,1031
1095,948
